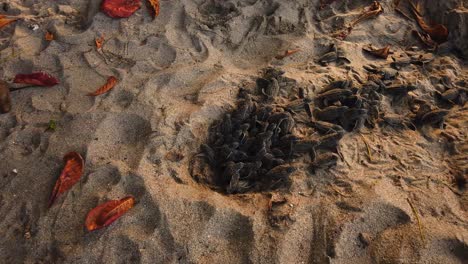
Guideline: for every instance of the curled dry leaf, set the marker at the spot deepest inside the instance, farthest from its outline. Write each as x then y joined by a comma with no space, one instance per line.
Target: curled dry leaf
120,8
99,42
5,99
49,36
426,39
438,32
111,82
106,213
37,78
287,53
70,175
5,21
156,7
381,53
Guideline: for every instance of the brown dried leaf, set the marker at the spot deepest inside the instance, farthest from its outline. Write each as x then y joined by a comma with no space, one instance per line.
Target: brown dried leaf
49,36
381,53
156,7
426,39
5,99
106,213
5,21
287,53
111,82
438,32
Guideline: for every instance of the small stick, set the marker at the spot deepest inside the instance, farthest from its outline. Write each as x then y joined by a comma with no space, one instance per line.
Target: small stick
338,191
369,154
417,220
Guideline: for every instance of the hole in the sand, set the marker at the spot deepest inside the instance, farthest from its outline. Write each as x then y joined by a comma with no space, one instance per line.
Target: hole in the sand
254,147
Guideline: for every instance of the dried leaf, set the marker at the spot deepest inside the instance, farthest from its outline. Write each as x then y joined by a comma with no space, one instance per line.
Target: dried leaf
381,53
99,42
49,36
5,21
5,99
287,53
438,32
106,213
373,10
111,82
156,7
120,8
70,175
426,39
37,78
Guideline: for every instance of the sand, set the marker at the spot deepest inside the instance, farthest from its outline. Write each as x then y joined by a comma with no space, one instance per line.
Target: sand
178,74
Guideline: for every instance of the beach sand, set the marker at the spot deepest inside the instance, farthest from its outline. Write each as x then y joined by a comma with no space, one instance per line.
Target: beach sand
180,72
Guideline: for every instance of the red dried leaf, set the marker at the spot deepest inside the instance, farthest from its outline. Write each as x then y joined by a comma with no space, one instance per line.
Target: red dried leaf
70,175
49,36
5,21
111,82
156,7
287,53
120,8
37,78
381,53
106,213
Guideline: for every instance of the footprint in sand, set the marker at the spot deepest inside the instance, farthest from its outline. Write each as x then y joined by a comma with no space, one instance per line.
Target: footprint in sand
120,137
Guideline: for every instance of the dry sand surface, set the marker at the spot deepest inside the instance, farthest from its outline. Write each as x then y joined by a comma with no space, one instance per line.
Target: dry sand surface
181,72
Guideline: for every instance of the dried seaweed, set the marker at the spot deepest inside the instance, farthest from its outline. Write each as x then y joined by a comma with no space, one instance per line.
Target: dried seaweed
415,212
372,11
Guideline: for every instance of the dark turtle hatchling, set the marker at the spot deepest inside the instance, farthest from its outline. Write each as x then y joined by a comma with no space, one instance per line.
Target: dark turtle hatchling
434,117
324,160
330,113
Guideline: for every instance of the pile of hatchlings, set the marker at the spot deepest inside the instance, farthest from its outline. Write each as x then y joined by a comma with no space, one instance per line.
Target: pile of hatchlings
254,147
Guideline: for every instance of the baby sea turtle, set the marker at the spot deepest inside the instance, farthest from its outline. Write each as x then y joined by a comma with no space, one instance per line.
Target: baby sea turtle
333,95
326,127
324,160
400,89
330,113
434,117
